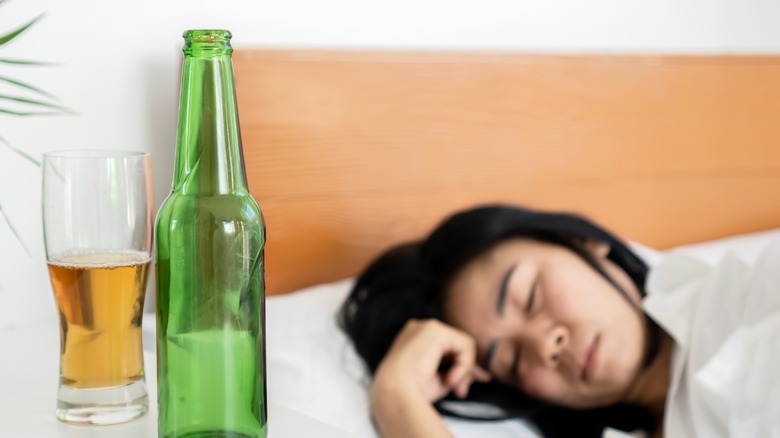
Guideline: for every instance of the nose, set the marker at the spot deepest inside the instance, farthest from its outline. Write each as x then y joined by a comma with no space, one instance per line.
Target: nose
551,345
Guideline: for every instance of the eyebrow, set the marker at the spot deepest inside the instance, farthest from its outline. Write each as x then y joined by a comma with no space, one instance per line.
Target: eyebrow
501,301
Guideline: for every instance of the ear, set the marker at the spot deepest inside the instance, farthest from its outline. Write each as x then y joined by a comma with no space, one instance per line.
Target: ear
596,248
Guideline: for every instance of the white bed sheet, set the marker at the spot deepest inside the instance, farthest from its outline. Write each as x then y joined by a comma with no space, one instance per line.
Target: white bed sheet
313,369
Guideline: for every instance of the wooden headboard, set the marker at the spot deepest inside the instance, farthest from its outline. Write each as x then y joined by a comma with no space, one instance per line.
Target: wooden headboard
350,152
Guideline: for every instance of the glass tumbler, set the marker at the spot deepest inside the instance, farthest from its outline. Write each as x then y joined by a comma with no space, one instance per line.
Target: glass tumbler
98,222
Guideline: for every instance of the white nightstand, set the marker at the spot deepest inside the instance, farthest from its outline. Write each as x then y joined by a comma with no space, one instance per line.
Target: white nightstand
29,360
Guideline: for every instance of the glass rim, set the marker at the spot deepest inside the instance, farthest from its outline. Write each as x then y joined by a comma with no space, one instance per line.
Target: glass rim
96,153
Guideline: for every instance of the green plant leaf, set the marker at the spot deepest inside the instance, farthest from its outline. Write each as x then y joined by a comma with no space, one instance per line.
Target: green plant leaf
28,87
20,152
13,34
27,62
57,109
13,230
35,102
33,113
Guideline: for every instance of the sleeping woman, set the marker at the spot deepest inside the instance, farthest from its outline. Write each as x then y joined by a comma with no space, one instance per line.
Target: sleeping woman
504,312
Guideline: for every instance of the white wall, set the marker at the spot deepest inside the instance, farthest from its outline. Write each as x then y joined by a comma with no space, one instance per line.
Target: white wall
119,67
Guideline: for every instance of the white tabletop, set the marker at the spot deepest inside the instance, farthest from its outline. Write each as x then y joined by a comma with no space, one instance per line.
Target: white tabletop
29,363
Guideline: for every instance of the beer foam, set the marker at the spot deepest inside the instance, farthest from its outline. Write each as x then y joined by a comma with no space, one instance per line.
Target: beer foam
102,259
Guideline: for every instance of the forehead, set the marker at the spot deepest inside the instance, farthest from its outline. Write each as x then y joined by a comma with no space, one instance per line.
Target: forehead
472,293
494,262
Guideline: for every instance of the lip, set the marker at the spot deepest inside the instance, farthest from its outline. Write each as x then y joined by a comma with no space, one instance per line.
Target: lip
588,365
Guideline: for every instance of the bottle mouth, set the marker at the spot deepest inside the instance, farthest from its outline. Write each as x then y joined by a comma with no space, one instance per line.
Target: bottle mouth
207,42
207,35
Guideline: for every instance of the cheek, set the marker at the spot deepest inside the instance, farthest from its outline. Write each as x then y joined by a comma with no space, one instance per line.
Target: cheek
584,299
627,348
544,384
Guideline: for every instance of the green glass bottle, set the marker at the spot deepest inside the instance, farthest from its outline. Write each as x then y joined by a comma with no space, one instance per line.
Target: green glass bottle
210,284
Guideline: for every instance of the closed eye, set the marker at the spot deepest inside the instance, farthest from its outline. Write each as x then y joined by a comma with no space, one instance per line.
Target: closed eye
530,304
513,372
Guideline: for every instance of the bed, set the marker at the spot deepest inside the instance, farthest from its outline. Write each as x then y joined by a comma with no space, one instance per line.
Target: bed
313,369
350,152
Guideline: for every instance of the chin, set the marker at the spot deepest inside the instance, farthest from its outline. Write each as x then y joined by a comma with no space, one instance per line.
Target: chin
595,401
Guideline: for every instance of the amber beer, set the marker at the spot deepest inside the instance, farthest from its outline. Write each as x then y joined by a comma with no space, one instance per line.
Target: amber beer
100,300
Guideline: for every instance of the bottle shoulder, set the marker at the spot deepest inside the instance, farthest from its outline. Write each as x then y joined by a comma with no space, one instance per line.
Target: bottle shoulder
220,207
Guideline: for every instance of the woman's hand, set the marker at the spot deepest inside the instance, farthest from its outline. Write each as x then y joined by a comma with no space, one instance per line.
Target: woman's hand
408,379
411,367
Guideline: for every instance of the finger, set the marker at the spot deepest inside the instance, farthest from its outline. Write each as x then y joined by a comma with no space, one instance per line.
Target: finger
460,381
462,350
457,374
462,390
482,375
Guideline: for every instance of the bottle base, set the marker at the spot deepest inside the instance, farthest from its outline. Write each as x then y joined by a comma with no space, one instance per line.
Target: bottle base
216,434
102,406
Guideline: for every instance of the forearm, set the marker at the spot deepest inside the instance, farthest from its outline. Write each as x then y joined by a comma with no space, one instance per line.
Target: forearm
404,414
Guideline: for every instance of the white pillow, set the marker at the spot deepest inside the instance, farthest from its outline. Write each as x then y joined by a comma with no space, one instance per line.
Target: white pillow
312,366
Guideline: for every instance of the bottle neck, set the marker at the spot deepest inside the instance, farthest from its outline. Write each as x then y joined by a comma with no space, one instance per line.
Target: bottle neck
208,149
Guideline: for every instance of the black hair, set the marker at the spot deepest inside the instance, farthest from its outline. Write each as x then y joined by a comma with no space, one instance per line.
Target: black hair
408,282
